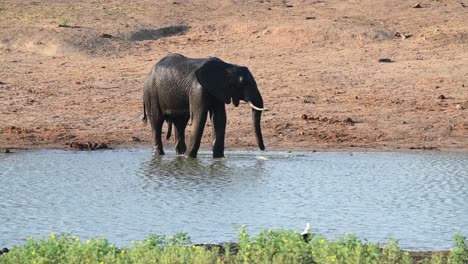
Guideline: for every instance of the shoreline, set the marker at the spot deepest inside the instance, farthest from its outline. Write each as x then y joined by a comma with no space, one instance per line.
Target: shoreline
317,148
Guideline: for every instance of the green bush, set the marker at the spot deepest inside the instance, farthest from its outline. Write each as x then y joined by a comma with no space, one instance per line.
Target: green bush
270,246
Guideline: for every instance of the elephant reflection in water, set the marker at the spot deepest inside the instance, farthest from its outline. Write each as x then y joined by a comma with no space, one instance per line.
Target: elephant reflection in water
178,89
205,172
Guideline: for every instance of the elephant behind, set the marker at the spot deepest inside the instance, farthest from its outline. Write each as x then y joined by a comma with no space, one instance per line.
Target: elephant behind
178,88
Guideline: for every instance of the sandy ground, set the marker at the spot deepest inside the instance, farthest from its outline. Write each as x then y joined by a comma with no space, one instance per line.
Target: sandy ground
74,72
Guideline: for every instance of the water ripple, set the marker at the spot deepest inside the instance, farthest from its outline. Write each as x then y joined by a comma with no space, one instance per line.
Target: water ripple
419,198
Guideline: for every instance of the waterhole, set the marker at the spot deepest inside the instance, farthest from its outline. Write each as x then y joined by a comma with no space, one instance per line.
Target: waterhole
419,198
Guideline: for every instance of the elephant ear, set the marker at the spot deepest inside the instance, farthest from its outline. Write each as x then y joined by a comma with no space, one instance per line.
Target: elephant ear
213,75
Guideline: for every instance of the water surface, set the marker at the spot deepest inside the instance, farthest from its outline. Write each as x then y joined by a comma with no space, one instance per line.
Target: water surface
419,198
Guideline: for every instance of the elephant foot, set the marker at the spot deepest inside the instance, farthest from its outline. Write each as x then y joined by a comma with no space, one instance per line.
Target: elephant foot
157,151
180,150
218,155
191,155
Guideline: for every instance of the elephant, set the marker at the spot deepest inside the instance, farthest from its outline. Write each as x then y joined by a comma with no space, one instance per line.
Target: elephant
178,89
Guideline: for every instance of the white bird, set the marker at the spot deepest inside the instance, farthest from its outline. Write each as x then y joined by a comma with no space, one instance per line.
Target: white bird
305,234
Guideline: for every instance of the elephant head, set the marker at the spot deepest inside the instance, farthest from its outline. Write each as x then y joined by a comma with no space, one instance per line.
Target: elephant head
232,83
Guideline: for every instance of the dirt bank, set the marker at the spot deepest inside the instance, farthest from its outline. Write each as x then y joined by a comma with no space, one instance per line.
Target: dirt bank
334,74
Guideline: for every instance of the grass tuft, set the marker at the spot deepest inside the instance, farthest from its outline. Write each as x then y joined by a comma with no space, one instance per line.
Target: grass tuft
270,246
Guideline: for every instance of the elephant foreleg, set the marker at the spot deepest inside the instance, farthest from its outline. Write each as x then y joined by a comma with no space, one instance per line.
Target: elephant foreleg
219,130
199,120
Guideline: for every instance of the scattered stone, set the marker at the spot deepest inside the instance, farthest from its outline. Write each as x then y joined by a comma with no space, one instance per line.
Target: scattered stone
404,122
418,5
442,97
88,146
2,83
459,107
424,148
310,18
304,116
7,151
307,101
288,5
105,35
136,139
403,36
155,34
349,120
385,60
4,250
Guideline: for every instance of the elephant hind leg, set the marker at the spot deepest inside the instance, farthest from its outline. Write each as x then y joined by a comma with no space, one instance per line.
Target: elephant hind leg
157,131
157,121
180,125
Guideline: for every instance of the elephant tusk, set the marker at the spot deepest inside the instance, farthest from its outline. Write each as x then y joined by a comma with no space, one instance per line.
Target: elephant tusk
257,108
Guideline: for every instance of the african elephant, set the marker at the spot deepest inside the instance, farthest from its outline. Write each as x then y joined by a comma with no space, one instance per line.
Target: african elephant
178,88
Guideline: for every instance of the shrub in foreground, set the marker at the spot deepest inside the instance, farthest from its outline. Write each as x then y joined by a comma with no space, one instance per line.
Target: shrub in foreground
270,246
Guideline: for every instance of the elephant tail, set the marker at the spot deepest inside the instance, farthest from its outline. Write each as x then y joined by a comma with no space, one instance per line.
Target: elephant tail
145,117
169,129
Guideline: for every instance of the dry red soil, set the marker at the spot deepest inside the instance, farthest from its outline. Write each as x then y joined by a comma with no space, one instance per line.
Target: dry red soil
72,71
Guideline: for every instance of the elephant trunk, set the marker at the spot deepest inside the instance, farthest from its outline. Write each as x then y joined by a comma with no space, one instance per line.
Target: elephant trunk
256,118
255,101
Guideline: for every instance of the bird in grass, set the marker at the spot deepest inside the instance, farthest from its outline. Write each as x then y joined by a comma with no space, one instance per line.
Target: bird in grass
305,234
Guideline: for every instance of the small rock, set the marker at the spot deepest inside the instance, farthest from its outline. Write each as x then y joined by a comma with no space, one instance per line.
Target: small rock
7,151
78,82
459,107
349,120
105,35
418,5
136,139
385,60
310,18
4,250
76,145
403,36
442,97
288,5
103,146
1,83
304,116
404,122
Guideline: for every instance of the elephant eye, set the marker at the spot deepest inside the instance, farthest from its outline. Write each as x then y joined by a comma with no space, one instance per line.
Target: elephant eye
241,79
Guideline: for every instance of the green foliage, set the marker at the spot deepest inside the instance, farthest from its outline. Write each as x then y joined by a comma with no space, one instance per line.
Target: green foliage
64,22
460,253
270,246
